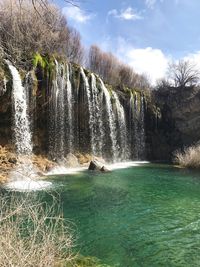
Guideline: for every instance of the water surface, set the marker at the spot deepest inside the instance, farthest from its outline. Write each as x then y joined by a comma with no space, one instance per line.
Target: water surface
145,215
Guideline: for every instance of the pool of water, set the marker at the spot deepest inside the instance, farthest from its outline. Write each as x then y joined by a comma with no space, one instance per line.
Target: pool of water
146,215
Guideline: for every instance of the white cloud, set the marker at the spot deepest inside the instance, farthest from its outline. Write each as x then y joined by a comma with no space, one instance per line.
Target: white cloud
76,14
125,14
151,3
194,59
150,61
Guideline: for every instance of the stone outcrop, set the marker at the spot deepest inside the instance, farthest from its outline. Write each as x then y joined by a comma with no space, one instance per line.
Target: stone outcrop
172,117
173,121
97,166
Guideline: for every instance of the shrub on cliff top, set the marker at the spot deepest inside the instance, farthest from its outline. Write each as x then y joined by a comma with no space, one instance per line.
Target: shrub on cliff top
27,29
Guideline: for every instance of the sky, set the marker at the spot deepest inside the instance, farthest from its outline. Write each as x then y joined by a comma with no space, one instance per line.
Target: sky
146,34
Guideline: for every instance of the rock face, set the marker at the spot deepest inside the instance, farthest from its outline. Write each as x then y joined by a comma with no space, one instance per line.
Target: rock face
175,123
172,118
72,161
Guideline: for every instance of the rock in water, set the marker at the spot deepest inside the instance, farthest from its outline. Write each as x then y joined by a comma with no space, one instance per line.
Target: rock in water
104,169
97,166
94,166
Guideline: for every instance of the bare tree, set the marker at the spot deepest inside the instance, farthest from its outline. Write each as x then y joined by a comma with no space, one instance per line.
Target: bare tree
113,71
184,73
24,31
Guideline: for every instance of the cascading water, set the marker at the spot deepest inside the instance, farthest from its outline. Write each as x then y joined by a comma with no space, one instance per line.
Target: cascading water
57,113
95,114
91,110
61,139
98,118
22,133
142,130
137,127
30,99
111,121
24,171
121,122
70,124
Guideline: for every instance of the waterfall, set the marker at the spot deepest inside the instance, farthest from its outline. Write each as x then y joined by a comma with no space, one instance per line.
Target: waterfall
30,98
111,121
61,140
94,101
69,112
137,127
24,172
121,122
98,136
57,119
142,130
22,133
91,110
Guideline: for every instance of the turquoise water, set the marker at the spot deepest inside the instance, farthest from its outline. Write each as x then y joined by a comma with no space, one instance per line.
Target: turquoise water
141,216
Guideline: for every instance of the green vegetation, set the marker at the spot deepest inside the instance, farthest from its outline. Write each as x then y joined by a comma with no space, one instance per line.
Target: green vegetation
39,60
82,261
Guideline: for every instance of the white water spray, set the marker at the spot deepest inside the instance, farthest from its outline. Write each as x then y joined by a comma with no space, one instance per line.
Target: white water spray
22,133
25,172
121,121
112,126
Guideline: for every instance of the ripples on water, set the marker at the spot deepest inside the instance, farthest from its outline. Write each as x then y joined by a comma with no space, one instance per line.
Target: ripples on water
147,215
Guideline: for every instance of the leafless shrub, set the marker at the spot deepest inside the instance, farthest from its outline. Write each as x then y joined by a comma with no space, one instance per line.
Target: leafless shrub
32,234
113,71
27,27
189,158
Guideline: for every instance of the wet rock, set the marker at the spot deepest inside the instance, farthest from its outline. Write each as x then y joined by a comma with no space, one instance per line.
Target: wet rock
94,166
12,160
104,169
72,161
97,166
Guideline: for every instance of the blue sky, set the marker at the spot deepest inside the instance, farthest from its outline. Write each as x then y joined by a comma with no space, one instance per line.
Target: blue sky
146,34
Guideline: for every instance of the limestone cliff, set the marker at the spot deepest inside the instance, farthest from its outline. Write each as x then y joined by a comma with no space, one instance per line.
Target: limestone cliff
174,122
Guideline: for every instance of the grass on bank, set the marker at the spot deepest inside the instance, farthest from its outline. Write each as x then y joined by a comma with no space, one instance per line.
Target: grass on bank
189,158
32,234
35,234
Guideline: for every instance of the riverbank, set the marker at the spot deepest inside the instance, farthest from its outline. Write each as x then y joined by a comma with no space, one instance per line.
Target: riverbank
9,160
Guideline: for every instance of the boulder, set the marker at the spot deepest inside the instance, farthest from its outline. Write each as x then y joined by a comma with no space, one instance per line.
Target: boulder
97,166
104,169
94,166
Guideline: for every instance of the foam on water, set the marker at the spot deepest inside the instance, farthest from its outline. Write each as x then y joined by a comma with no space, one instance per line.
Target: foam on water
59,170
28,185
124,165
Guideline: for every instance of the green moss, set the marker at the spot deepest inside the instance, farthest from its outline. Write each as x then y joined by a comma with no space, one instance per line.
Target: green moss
47,63
82,261
39,60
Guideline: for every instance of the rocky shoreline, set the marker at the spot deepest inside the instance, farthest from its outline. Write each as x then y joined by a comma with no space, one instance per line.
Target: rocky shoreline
9,160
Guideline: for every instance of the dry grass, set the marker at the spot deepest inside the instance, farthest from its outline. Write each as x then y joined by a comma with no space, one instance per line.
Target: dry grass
7,162
42,163
189,158
32,234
